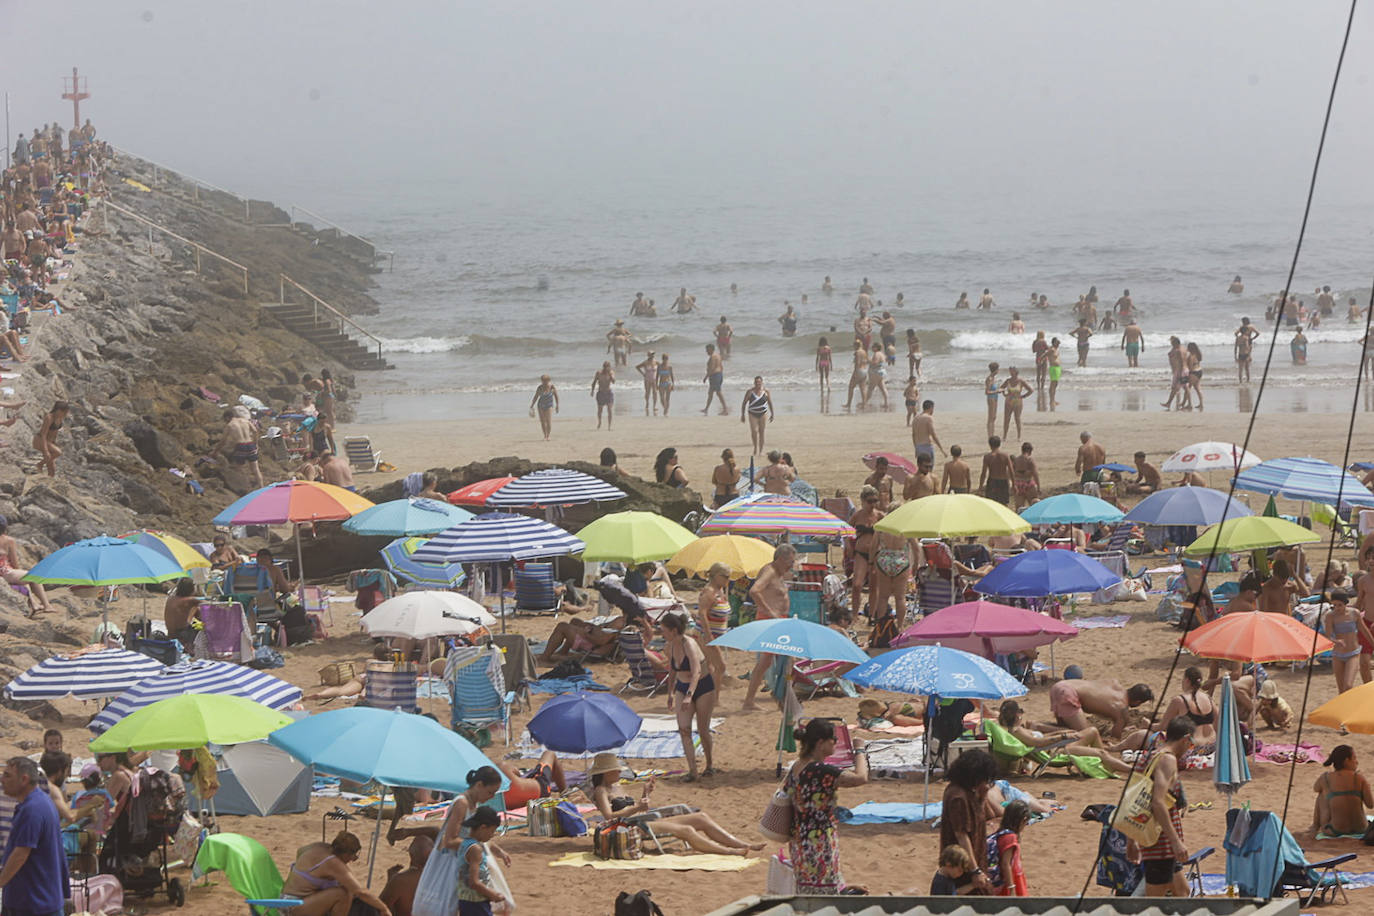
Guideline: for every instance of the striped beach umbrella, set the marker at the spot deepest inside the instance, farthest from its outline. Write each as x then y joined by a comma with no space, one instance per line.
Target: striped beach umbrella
1305,479
91,674
175,549
498,537
776,515
553,487
399,557
201,676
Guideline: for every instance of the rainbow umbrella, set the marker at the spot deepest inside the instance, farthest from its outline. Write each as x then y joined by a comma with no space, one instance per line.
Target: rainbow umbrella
776,515
174,549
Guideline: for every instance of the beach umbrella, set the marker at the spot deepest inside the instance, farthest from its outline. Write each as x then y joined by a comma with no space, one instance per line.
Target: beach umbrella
399,558
1040,573
104,561
1115,466
951,515
477,494
1210,456
426,615
175,549
190,720
937,671
553,487
1186,506
1256,636
1075,508
583,722
1352,711
1305,479
899,467
986,628
1255,532
774,514
633,538
744,555
199,676
1230,769
792,637
390,747
93,673
401,517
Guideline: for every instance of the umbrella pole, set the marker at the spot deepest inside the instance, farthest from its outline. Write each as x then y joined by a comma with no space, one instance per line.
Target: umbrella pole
377,832
501,593
300,567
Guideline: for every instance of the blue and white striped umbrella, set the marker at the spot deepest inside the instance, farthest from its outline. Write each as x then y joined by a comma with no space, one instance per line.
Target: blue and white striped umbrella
1308,479
1230,768
400,559
496,537
198,677
553,487
85,675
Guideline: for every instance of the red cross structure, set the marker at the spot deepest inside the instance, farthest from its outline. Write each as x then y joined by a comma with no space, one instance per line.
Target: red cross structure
74,89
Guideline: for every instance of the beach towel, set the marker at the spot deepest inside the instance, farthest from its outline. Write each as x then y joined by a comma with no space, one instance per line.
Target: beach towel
889,730
557,685
1215,885
1323,835
889,813
695,862
1283,753
896,757
1100,623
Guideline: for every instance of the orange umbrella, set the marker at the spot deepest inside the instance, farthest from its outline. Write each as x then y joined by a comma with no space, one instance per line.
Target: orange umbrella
476,494
1256,636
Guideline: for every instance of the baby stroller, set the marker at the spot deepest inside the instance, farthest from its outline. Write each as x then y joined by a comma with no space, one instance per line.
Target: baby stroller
135,849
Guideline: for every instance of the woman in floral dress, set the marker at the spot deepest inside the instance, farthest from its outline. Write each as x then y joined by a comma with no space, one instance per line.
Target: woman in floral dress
812,783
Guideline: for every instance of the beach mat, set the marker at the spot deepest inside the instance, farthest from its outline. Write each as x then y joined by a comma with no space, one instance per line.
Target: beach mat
889,813
1323,835
696,862
1099,623
559,685
1215,885
1284,753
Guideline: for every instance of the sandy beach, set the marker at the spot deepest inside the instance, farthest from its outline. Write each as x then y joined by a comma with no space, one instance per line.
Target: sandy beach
887,858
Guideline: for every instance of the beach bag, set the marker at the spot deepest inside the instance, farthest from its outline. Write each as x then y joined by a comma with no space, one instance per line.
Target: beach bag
1135,816
570,822
782,880
776,823
437,892
884,631
640,903
543,818
98,894
337,674
616,840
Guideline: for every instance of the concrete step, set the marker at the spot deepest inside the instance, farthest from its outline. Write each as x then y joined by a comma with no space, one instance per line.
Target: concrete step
301,321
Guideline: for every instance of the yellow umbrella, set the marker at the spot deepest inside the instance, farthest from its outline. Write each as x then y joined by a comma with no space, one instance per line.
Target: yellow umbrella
180,552
952,515
1352,710
1252,532
744,555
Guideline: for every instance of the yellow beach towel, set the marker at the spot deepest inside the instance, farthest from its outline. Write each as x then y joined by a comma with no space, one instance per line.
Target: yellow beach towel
138,184
699,862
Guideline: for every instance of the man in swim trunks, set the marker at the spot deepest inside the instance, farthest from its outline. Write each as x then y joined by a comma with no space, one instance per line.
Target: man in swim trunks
881,481
1090,455
1025,479
335,470
923,482
1069,700
1244,348
601,391
714,378
957,476
684,303
240,442
1081,334
724,336
769,594
887,333
1056,370
1132,341
923,435
995,478
1147,476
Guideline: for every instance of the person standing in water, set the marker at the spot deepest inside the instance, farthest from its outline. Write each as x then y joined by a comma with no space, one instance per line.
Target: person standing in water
1039,348
788,320
985,302
684,303
858,378
725,335
757,410
1236,287
823,360
646,371
1056,370
1132,341
601,391
618,343
545,401
666,382
1081,334
1016,326
714,379
877,374
1244,349
913,353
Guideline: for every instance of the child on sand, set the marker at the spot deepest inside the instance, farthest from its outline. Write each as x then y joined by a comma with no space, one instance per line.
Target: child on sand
475,893
955,874
1004,852
1274,709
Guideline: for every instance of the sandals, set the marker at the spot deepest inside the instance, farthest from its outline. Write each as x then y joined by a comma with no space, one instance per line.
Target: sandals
711,771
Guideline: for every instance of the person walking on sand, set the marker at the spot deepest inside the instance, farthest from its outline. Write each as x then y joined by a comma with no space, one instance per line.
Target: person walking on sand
911,397
647,372
823,359
957,476
1244,349
769,594
545,401
858,378
1178,373
1165,859
1081,334
877,374
991,388
757,410
923,436
1025,478
666,382
1014,391
994,481
601,390
812,785
714,379
1132,341
45,440
1193,371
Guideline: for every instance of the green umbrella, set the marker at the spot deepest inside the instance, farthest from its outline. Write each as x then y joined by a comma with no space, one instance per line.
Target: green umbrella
633,537
190,720
1254,532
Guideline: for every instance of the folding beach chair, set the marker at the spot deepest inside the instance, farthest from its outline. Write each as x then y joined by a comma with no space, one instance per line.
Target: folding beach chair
534,589
937,587
1263,860
391,685
644,679
810,678
225,634
804,602
316,607
358,451
477,688
1193,868
1010,751
844,746
518,665
250,870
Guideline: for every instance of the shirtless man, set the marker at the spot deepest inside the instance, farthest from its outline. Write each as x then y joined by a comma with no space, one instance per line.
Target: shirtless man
1278,591
1040,349
605,397
1244,349
958,476
714,379
769,594
863,328
1326,303
985,301
684,303
1025,478
1124,306
866,288
337,471
1132,341
650,373
1236,286
1147,479
923,482
994,480
963,302
887,333
1082,335
618,343
641,308
881,481
826,286
1069,700
179,610
863,303
725,335
240,442
1178,372
401,885
1090,455
923,435
12,244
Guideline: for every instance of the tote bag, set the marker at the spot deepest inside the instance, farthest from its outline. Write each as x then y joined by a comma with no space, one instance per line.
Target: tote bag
437,892
776,823
1135,815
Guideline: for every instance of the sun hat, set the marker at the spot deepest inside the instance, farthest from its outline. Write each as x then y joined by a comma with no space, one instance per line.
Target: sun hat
605,762
1269,690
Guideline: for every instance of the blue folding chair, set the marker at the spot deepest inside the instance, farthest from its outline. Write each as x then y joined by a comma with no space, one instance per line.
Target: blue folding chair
534,589
478,691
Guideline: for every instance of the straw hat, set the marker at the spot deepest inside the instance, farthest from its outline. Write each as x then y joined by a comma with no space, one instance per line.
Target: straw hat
1269,690
605,762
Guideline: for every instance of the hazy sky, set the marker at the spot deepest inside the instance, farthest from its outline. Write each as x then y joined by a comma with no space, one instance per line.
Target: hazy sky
1114,104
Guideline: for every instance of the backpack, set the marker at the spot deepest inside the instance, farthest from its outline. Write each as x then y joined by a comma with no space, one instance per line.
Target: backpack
640,903
884,631
564,670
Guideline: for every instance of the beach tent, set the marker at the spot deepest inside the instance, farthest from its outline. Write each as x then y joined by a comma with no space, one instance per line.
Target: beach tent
257,779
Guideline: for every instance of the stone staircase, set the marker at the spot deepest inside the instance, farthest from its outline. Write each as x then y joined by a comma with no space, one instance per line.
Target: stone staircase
324,333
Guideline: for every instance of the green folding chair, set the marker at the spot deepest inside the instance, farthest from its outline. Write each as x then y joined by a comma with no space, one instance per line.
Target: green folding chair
1010,750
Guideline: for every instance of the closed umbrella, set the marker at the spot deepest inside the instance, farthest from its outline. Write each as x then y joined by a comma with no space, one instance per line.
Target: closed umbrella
775,514
1210,456
1041,573
553,487
633,538
580,723
951,515
399,557
190,720
1186,506
91,674
1305,479
1230,768
426,615
200,676
1073,508
744,555
400,517
986,628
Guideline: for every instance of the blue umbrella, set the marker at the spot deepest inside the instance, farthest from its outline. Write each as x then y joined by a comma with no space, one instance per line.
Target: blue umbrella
498,537
937,671
406,516
1077,508
792,637
1308,479
1039,573
1115,466
199,677
1186,506
399,558
84,675
578,723
104,561
1230,768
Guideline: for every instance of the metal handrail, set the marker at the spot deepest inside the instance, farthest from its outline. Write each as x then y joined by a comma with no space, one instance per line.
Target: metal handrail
199,248
315,313
377,252
196,183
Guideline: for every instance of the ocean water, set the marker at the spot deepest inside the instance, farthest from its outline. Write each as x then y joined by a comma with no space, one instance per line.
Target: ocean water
486,296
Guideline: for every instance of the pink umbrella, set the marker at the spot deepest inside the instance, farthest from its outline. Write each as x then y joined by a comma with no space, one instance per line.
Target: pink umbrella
987,629
900,468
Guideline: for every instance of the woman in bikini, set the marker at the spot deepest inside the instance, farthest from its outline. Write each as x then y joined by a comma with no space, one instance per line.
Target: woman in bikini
865,539
913,353
858,378
877,374
1198,706
1014,389
823,355
991,390
694,691
667,470
1342,795
320,879
1345,627
1194,366
713,614
757,409
45,440
663,375
891,575
725,478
